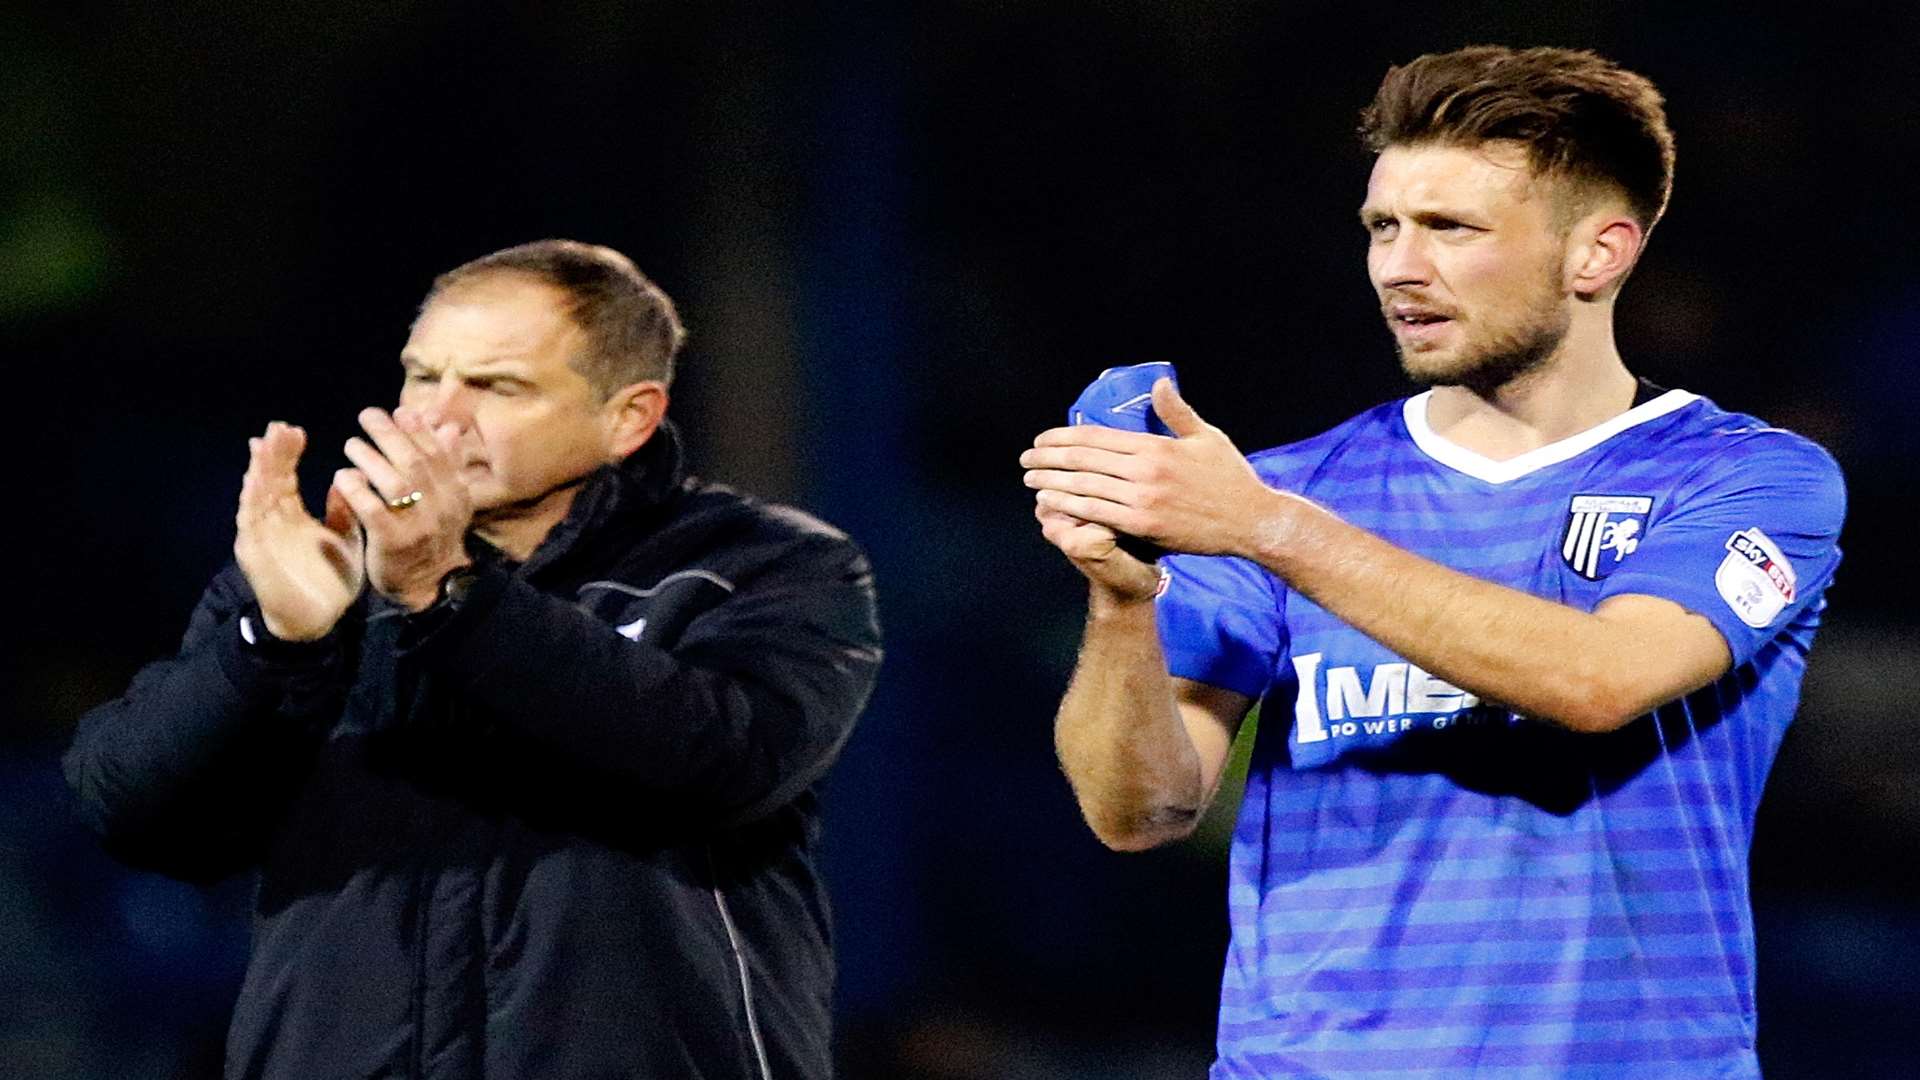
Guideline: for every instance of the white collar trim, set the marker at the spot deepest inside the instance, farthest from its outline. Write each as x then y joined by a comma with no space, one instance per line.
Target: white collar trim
1480,467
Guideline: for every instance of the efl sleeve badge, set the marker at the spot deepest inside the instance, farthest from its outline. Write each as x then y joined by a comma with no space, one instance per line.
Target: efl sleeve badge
1755,579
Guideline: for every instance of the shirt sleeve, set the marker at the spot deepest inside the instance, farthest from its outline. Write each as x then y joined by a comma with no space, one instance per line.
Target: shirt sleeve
1219,621
190,770
1750,541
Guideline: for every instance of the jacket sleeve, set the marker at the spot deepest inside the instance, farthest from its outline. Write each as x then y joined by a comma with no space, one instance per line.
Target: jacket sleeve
188,770
745,712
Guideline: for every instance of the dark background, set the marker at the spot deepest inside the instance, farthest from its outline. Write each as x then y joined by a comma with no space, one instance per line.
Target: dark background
903,241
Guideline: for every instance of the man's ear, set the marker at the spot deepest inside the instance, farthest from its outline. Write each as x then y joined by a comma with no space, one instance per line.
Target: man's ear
1605,247
631,416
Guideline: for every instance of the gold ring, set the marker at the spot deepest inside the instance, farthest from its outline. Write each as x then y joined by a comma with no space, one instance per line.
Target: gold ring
405,501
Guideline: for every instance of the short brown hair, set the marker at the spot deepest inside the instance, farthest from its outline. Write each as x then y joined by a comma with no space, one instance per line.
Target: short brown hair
1581,116
632,329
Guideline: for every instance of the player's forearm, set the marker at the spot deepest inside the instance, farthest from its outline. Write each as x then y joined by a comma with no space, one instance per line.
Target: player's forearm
1133,767
1541,658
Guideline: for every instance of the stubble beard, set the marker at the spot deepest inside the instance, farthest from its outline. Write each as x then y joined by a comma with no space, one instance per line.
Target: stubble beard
1510,353
1487,366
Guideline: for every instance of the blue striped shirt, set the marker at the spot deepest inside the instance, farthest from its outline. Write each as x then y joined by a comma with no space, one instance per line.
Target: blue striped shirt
1426,885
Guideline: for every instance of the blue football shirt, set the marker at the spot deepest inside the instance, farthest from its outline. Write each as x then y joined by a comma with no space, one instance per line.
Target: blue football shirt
1425,885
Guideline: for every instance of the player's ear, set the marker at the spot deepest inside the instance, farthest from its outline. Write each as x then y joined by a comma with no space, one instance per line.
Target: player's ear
1605,246
630,416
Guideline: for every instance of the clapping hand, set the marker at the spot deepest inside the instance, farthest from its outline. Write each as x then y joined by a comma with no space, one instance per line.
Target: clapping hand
305,573
407,493
1193,492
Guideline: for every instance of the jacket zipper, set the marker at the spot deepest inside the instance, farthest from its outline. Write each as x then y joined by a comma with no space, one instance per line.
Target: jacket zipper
740,962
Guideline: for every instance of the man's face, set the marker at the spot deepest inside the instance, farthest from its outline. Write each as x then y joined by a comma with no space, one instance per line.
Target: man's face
1467,260
491,357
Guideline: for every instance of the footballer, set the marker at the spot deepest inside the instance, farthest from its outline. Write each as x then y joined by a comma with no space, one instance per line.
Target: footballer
1527,640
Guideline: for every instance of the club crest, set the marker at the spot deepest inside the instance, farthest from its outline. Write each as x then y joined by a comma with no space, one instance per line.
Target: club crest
1601,531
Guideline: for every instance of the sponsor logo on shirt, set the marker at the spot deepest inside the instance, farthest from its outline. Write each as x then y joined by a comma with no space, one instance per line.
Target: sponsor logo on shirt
1394,698
1601,531
1755,579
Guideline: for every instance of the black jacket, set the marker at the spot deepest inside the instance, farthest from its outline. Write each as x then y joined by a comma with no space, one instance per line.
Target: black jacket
560,830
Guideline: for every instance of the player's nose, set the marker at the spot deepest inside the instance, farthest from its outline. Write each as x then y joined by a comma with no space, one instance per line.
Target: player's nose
1404,262
447,402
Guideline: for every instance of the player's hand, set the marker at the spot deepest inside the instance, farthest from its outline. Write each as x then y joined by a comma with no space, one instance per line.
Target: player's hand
410,499
304,573
1194,492
1095,551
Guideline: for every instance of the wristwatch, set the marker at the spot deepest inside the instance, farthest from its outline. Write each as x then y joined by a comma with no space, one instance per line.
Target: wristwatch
455,586
257,639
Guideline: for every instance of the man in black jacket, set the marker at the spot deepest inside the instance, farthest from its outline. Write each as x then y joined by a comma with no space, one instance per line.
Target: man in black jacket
523,737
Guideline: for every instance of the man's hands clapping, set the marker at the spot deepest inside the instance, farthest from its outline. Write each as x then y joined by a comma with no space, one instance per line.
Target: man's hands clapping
399,521
1192,493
